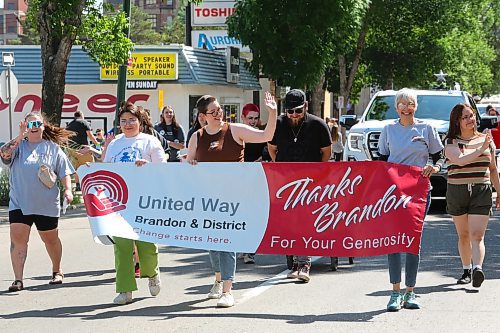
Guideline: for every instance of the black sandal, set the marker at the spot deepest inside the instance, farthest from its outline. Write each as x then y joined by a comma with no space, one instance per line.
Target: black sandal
17,285
57,278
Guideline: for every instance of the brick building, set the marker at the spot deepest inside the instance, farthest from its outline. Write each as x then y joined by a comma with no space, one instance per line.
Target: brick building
10,14
160,12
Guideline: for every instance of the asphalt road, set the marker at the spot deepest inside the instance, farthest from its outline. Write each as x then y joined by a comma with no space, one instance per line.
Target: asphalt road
353,299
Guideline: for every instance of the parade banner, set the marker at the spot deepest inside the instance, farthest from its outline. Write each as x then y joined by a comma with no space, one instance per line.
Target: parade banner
350,209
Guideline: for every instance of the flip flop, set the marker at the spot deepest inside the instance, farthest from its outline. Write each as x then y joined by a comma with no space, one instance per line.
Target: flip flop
57,278
17,285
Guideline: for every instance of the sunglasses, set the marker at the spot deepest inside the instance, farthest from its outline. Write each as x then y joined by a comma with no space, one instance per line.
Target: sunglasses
34,124
298,110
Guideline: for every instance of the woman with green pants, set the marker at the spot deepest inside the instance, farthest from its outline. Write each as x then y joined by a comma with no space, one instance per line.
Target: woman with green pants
139,148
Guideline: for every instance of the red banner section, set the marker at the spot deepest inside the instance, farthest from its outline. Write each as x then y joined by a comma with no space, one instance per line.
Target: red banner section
344,209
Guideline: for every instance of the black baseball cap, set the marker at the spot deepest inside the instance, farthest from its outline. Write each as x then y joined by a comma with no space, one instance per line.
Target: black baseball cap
294,99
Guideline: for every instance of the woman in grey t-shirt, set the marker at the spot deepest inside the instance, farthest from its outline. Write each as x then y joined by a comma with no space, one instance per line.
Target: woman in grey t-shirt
408,141
32,201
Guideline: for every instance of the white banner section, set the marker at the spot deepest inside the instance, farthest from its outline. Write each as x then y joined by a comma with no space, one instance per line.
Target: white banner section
211,206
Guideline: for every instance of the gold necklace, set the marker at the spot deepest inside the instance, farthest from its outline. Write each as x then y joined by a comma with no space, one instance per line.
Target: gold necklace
296,135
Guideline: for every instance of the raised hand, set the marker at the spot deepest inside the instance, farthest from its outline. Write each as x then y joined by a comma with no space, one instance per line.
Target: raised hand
23,128
270,102
110,137
487,141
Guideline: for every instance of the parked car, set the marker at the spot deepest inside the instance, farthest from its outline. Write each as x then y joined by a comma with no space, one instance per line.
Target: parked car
482,107
434,106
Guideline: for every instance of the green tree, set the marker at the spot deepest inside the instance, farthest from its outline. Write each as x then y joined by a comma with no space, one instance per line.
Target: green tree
175,31
60,25
141,28
409,40
293,41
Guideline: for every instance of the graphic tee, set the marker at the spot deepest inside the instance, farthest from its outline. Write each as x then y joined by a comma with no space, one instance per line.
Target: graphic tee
409,145
27,192
171,134
141,146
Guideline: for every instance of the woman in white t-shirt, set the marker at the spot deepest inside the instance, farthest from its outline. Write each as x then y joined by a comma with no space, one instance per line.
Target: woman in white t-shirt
139,148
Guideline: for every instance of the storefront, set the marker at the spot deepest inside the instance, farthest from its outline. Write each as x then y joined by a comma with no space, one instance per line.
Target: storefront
158,76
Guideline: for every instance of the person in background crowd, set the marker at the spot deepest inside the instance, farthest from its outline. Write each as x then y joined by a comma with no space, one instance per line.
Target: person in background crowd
471,172
219,141
148,128
300,137
96,149
99,136
132,146
201,120
250,115
408,141
83,133
328,122
337,144
491,111
172,132
31,200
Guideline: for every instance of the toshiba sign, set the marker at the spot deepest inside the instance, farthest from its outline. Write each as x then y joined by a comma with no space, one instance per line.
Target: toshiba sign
211,13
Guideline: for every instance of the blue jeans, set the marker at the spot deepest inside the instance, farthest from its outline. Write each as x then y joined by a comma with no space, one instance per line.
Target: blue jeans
223,263
412,261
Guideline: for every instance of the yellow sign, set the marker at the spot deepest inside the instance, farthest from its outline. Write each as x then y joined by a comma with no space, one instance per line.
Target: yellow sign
146,66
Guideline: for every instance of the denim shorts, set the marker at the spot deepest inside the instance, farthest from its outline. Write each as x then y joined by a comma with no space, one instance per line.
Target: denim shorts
475,199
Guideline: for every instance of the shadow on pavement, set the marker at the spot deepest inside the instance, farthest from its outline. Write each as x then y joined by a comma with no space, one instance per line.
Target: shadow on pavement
177,311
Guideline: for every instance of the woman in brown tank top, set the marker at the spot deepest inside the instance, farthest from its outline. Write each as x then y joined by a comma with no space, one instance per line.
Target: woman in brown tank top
219,141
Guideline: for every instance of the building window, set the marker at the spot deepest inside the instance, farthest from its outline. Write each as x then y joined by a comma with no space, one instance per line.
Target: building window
11,6
149,2
231,112
152,19
167,4
12,29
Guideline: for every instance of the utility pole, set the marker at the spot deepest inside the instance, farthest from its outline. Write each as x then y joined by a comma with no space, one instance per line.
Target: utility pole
189,28
122,71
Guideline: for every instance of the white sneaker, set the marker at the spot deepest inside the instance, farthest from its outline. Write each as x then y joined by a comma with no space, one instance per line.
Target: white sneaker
216,291
154,285
226,300
123,298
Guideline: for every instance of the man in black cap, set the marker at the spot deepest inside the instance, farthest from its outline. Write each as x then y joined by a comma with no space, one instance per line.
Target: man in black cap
300,137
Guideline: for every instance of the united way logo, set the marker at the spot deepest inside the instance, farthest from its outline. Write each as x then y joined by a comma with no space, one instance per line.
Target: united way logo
104,192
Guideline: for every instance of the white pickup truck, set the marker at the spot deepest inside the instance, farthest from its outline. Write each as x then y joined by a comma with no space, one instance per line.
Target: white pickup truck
434,106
